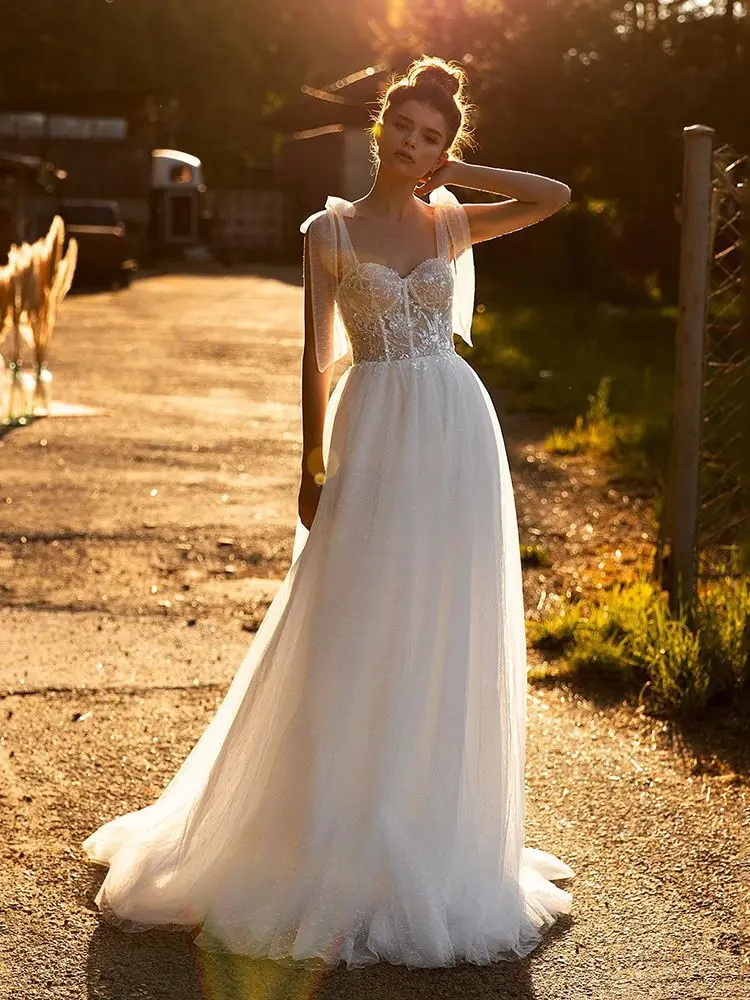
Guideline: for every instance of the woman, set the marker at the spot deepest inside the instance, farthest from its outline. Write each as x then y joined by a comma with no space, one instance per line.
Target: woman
359,794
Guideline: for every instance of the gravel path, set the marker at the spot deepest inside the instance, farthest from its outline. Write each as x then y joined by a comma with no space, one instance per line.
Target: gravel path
139,550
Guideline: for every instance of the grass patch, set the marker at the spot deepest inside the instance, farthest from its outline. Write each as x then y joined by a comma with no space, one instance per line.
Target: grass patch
597,431
557,633
637,447
534,555
678,665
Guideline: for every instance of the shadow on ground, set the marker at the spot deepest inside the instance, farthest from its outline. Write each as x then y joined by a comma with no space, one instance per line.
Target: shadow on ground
122,966
715,741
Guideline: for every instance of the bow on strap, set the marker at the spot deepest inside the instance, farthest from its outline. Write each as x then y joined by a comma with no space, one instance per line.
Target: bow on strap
340,205
335,204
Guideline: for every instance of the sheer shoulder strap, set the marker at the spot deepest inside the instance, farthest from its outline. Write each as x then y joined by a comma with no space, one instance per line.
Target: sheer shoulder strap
323,259
452,216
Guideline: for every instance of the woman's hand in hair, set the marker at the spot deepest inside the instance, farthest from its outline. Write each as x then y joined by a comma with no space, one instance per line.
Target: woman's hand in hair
443,174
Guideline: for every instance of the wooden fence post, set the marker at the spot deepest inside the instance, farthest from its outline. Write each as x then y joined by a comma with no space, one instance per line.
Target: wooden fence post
695,257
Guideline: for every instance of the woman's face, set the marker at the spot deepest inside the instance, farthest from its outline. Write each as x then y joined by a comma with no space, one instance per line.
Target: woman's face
412,139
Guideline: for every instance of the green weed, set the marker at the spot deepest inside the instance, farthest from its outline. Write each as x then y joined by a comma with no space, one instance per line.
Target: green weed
678,663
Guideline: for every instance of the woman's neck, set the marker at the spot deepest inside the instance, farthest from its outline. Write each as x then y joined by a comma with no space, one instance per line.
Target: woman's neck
390,199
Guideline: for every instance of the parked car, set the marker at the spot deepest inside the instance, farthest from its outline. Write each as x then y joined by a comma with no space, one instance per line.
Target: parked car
103,251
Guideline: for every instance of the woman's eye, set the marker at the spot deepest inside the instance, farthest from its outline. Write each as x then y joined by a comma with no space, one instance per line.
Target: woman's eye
431,140
401,125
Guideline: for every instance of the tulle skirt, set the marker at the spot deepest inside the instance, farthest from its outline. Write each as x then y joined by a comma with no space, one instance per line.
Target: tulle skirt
359,794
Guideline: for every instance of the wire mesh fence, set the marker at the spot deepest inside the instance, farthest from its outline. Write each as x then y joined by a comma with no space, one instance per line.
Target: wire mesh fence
723,522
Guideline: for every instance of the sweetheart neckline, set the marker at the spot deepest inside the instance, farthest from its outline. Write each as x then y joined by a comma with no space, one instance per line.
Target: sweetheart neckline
387,267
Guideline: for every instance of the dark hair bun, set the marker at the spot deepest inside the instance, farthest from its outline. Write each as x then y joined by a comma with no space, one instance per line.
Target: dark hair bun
439,84
434,72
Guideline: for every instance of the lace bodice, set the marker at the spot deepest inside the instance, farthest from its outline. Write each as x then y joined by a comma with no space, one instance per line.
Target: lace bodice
390,317
383,315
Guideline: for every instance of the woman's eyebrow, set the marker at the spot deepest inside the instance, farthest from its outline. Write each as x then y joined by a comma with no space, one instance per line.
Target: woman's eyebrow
411,122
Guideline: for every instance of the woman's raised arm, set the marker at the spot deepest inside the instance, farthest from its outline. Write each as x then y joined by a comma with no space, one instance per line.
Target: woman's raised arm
531,197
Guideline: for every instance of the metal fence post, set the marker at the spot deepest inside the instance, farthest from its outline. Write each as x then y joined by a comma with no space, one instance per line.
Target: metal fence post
695,255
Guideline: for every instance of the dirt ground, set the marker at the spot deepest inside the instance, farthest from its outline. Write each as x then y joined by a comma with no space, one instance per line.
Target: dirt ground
139,549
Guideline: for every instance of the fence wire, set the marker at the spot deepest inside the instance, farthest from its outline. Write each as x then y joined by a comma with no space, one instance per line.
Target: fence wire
723,530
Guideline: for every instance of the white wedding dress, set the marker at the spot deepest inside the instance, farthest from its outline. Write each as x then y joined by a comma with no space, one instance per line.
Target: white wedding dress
359,794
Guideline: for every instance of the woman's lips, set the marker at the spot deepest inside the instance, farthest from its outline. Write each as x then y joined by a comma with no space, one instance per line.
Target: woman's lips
406,156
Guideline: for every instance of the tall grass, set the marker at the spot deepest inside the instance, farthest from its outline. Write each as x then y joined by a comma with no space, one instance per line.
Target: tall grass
674,664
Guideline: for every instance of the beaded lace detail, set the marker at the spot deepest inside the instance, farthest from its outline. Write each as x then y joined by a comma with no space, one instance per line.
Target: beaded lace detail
390,317
385,310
